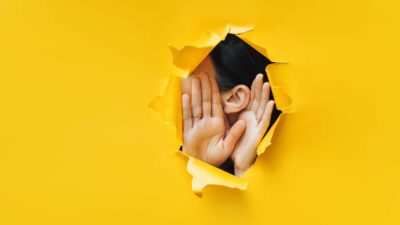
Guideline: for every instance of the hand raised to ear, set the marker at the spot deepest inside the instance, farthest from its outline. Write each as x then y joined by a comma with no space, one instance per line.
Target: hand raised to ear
203,122
257,116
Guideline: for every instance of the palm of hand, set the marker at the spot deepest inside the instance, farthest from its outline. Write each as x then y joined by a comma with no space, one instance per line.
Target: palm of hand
256,116
244,152
207,135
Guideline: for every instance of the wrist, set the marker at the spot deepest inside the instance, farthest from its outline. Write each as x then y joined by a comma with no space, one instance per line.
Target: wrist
239,172
243,163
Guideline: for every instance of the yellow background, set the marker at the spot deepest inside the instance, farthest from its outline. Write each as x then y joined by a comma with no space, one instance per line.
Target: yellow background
78,144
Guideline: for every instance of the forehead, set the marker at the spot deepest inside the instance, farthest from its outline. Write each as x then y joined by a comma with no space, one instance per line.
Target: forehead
205,67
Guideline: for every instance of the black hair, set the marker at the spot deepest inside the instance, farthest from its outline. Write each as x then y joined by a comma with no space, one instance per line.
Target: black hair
236,62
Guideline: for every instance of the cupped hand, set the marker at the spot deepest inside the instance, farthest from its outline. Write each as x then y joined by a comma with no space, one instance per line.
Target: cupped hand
205,134
257,117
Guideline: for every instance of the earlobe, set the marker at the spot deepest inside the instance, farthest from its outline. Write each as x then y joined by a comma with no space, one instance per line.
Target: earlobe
236,99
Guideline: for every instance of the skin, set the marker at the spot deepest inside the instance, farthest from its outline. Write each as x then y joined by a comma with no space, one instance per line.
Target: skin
221,125
257,117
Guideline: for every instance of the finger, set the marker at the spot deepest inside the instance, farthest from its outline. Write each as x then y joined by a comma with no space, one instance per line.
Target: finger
264,123
233,136
205,94
227,125
264,101
196,100
252,94
257,92
186,113
186,86
216,106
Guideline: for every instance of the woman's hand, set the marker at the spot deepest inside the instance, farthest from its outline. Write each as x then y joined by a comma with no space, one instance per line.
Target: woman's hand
203,122
257,117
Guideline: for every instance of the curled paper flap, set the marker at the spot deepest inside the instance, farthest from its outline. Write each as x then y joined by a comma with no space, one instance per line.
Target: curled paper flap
282,99
204,174
169,105
189,57
221,32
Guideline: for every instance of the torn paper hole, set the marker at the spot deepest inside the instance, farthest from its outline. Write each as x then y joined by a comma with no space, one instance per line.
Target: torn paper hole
169,105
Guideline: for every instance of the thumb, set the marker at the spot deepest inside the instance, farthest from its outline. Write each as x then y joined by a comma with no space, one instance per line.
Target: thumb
234,135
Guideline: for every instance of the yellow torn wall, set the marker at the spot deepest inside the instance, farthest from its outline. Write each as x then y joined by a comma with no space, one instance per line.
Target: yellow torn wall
78,144
187,59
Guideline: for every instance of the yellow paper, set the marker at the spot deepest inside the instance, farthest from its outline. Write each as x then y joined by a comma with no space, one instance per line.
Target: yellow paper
79,144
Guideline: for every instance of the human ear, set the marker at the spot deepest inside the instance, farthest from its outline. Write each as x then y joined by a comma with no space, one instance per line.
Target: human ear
235,99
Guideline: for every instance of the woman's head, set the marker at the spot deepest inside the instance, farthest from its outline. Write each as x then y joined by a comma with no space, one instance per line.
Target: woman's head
239,72
235,64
